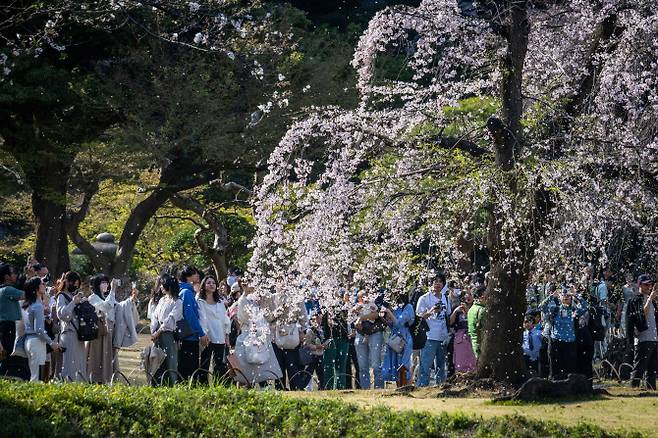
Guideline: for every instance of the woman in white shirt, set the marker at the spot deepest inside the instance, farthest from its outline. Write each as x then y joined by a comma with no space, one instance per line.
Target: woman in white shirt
163,325
217,325
102,352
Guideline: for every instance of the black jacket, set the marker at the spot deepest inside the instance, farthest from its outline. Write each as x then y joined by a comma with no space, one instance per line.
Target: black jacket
635,318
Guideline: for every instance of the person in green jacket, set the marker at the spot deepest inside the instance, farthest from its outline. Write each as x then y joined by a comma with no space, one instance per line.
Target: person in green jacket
476,316
10,312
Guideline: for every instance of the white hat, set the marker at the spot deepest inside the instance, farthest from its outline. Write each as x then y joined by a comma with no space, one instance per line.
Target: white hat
235,287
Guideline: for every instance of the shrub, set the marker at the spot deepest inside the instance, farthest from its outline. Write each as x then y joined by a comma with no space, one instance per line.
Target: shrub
92,410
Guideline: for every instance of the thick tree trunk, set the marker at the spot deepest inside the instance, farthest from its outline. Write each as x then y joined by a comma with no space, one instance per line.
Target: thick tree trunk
48,181
501,357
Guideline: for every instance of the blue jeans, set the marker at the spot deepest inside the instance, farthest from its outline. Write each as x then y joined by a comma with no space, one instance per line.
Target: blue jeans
434,351
369,355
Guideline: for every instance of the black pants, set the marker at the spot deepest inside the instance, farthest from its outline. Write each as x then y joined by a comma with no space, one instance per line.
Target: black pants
450,349
531,365
290,366
544,363
214,353
563,358
12,366
585,352
317,367
646,361
8,335
352,363
188,359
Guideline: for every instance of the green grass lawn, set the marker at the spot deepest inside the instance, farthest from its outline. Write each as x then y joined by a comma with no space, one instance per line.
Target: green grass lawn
625,410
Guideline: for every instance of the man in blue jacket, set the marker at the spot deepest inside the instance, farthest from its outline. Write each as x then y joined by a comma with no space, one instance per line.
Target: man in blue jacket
188,356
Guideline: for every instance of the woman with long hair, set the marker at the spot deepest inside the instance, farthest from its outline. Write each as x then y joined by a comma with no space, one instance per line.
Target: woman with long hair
463,356
217,325
100,351
399,320
36,337
74,358
166,314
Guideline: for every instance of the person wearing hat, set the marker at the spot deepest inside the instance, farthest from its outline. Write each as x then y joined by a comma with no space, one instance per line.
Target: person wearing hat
641,322
562,308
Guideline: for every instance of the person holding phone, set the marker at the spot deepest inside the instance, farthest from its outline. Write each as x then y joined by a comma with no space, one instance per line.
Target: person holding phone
74,357
36,337
168,311
641,324
369,340
217,325
315,343
434,307
399,321
563,309
188,355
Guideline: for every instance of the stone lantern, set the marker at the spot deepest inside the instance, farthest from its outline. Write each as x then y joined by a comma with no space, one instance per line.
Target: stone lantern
104,244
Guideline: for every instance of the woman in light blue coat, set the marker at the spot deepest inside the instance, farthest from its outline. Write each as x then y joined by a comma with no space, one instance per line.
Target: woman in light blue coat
404,317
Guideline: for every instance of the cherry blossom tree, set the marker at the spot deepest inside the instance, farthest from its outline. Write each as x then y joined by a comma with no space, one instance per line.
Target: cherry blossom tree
527,127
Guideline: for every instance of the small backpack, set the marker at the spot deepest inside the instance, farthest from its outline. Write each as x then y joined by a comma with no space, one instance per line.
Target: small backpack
88,323
419,331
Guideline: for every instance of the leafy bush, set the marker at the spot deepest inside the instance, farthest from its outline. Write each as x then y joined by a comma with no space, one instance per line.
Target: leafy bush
94,410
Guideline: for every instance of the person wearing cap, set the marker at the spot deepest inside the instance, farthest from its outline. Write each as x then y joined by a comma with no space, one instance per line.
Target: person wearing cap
562,308
641,322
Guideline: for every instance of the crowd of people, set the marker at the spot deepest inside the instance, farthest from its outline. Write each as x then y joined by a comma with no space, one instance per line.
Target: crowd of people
60,332
211,330
571,325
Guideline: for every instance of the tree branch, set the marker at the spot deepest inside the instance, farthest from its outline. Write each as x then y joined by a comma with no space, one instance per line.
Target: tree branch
217,252
230,187
72,223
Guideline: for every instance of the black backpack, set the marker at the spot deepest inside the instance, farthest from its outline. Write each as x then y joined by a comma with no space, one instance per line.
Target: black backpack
419,332
88,322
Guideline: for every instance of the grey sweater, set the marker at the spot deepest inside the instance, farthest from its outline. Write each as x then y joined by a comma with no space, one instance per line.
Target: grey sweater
35,324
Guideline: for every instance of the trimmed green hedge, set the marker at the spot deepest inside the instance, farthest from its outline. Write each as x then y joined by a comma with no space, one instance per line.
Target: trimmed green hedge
95,410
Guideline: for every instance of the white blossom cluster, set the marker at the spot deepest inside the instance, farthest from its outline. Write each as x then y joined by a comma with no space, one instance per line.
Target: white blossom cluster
359,197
